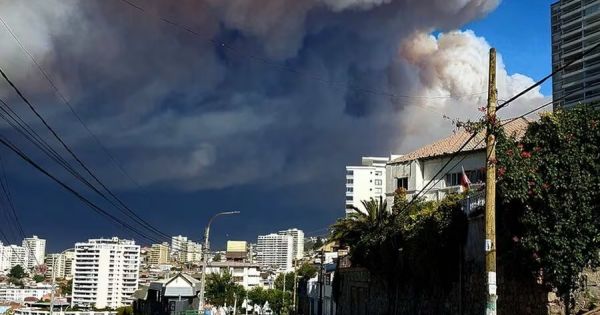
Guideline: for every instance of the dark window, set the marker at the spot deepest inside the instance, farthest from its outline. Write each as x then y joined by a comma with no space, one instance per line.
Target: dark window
350,181
349,198
402,182
349,172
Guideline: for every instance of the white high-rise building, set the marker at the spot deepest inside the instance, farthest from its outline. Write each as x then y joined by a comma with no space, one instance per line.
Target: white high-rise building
193,252
12,255
275,251
185,250
298,245
106,272
365,182
36,248
178,244
4,258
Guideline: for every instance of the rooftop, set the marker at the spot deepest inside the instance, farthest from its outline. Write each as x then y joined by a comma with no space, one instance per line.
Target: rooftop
453,143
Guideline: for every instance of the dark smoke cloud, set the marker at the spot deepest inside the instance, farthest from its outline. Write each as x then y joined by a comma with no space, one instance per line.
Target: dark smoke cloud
184,112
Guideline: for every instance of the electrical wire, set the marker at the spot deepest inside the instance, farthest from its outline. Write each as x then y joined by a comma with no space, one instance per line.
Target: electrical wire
71,108
544,79
136,217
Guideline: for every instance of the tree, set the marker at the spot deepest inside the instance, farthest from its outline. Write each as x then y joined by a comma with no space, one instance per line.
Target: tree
38,278
318,244
125,310
217,257
550,181
289,281
221,289
17,272
307,271
349,230
66,287
276,298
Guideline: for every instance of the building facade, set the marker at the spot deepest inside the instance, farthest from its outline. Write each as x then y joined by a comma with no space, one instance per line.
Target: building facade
17,294
275,251
159,254
106,272
298,242
172,296
184,250
244,274
420,171
575,29
365,182
36,250
12,255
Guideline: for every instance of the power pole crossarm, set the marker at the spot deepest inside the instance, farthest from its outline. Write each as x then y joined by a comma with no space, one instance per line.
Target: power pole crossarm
490,190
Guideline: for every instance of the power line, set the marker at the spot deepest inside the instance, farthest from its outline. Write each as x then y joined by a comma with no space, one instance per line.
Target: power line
71,108
538,83
49,151
85,200
80,162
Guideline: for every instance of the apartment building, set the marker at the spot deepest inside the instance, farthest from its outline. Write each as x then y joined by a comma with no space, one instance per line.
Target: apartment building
36,250
298,241
159,254
419,171
275,251
365,182
242,273
60,264
18,294
185,250
575,29
12,255
106,272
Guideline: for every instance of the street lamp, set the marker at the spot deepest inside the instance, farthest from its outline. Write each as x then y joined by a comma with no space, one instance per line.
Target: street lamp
54,279
205,258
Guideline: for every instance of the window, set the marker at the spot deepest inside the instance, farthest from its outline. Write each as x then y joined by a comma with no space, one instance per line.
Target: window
378,182
349,181
349,189
349,198
349,172
378,173
378,190
402,182
475,176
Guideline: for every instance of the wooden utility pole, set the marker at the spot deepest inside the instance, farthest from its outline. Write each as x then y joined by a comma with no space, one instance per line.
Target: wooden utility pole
490,190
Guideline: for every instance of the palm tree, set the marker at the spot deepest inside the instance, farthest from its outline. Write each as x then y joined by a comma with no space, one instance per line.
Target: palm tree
350,229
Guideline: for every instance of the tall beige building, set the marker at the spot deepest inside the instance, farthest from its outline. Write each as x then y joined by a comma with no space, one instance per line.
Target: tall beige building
159,254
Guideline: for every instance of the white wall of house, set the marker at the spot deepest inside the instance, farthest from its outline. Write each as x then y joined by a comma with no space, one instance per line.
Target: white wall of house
244,274
421,171
11,294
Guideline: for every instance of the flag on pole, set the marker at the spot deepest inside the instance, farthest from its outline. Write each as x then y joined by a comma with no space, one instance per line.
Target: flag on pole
464,179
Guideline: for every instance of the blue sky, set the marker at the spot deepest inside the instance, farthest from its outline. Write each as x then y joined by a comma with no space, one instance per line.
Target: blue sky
205,130
520,31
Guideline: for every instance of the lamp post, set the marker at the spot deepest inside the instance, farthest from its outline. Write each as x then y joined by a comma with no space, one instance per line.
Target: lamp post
54,280
205,258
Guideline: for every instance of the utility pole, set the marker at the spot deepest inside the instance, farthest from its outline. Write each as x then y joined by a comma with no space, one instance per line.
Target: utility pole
295,285
321,282
490,190
283,295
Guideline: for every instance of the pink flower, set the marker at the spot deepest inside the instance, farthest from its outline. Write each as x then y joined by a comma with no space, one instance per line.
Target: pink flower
525,154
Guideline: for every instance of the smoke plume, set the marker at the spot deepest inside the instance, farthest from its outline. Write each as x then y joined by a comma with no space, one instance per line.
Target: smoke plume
266,92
